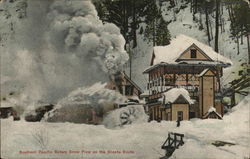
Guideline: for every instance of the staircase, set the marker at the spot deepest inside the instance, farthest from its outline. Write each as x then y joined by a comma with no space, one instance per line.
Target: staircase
173,142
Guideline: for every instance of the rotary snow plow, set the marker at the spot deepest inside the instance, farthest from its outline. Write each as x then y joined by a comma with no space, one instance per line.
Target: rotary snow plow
109,114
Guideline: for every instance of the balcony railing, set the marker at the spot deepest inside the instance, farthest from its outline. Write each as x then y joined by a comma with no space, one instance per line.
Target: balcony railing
156,92
160,89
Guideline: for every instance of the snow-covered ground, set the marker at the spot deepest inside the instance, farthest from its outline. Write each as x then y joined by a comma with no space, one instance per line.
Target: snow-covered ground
144,140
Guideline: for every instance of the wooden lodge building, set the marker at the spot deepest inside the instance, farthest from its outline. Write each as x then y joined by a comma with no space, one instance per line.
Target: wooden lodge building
124,85
184,81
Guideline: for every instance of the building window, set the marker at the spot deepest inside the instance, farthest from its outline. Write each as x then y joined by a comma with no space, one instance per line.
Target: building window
168,116
129,90
180,115
193,53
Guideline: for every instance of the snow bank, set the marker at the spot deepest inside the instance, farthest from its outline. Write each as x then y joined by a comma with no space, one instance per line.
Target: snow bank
171,52
234,128
239,117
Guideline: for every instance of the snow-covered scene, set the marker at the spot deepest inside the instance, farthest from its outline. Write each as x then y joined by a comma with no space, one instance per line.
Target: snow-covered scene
125,79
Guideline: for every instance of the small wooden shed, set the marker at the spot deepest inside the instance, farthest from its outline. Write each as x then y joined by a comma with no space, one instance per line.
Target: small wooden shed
176,105
212,114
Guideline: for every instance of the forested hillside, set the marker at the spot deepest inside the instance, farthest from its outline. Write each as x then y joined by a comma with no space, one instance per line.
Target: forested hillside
221,24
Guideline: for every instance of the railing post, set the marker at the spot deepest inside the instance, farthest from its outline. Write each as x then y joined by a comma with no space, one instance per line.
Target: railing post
174,140
182,140
168,138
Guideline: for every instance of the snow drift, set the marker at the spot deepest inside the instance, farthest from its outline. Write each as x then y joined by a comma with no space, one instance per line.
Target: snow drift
86,103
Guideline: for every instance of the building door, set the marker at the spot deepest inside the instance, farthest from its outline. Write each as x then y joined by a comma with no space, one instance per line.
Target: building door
155,113
168,116
162,115
180,115
151,114
191,115
158,113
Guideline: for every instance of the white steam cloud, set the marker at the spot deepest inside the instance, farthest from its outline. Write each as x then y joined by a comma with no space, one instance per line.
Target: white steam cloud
51,47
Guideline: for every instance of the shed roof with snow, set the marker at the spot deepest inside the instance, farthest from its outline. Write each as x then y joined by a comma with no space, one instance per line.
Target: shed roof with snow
212,114
178,46
176,95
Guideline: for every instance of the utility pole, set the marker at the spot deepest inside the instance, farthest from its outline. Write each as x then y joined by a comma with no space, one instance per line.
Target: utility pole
216,47
248,46
130,59
130,63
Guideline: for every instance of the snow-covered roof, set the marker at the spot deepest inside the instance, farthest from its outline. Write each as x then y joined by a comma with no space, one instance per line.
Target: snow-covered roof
172,95
203,72
170,53
199,62
212,110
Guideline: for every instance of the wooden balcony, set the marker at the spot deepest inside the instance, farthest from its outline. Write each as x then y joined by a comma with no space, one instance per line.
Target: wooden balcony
156,92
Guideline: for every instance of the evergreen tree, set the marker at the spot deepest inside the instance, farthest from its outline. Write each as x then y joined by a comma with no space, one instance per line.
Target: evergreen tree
129,14
156,29
240,22
162,33
206,7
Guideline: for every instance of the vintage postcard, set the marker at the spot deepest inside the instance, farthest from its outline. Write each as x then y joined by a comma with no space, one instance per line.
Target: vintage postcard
124,79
